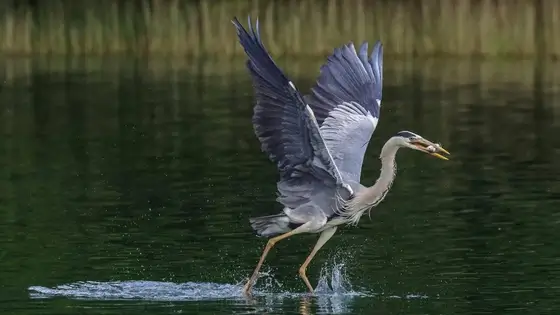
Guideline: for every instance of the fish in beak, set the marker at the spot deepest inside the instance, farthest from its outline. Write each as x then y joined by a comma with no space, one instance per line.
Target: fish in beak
433,149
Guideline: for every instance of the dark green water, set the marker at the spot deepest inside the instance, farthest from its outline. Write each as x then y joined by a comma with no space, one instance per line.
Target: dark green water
142,181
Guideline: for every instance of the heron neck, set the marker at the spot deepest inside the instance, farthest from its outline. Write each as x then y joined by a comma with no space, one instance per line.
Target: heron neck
370,197
388,169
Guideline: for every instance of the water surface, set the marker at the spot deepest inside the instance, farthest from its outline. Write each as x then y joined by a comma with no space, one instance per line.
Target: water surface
126,187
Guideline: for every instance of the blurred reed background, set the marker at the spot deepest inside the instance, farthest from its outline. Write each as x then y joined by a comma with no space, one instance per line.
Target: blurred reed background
489,28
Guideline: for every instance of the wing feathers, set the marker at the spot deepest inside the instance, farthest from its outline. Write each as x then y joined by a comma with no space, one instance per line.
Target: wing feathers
346,100
347,132
276,116
283,123
348,76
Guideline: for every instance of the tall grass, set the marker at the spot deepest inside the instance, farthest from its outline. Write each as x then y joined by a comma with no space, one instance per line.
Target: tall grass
518,28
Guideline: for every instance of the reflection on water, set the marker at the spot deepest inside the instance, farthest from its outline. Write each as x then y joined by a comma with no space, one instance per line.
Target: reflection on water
134,180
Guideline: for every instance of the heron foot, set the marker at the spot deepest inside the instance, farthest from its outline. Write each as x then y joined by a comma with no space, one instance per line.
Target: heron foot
303,276
247,288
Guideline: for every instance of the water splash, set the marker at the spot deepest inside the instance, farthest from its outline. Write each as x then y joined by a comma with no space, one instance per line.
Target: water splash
138,290
334,280
334,292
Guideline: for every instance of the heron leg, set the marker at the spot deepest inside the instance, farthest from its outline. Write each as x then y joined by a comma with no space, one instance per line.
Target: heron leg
271,242
323,238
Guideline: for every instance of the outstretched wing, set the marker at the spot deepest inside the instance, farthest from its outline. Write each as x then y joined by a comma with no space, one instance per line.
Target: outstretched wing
346,101
286,126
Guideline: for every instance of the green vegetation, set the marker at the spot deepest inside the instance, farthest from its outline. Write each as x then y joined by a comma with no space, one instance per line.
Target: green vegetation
309,27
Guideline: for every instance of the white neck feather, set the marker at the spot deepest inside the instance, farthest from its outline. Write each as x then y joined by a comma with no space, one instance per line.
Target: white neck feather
369,197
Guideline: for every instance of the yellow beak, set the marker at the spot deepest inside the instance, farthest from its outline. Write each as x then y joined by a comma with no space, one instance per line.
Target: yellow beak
440,156
423,144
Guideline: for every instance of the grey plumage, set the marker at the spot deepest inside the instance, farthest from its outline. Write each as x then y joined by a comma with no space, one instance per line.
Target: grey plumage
318,141
347,101
287,129
270,225
349,77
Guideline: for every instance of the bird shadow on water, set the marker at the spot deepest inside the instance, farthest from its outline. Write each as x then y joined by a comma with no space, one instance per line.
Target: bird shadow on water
334,293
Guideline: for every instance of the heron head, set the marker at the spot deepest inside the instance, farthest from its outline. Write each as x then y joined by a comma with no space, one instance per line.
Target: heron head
416,142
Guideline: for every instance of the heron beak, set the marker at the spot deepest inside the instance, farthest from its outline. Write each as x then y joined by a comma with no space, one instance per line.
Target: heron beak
431,148
439,156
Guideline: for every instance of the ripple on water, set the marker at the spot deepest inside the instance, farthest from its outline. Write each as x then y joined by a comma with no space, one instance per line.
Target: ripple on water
333,288
333,281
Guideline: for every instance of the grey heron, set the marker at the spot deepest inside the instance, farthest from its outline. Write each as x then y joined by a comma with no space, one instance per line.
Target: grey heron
318,142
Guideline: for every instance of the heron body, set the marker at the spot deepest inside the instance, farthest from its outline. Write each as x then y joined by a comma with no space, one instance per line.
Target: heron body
318,142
